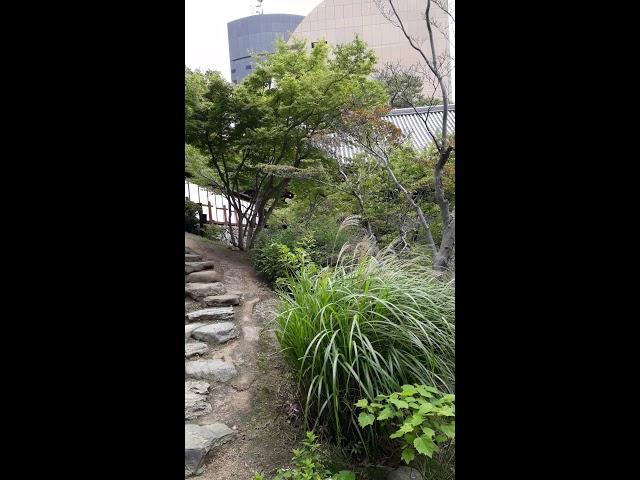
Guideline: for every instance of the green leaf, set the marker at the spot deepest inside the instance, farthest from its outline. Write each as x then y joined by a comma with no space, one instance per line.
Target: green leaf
408,390
423,391
387,412
365,419
399,403
441,438
409,438
415,420
408,454
426,408
405,428
429,432
449,429
363,403
425,445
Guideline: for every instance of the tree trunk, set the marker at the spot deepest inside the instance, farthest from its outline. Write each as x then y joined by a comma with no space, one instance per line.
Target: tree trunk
443,257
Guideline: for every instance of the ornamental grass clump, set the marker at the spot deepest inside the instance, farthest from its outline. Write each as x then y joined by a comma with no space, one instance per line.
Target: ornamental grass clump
365,328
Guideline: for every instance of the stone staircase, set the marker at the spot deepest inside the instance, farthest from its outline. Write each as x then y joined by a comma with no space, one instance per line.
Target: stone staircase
206,328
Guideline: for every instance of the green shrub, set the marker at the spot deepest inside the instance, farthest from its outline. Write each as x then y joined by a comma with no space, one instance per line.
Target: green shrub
191,217
279,252
363,329
308,464
212,231
421,417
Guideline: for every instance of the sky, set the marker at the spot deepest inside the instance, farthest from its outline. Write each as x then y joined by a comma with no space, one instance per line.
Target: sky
206,46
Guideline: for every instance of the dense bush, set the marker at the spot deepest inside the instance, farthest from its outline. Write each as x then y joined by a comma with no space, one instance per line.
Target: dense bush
421,419
280,252
212,231
362,329
308,464
191,217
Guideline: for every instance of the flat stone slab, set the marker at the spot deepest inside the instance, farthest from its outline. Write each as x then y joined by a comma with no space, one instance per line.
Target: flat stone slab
213,314
196,386
205,276
190,267
198,291
188,329
195,348
216,332
217,370
198,441
195,405
221,300
192,257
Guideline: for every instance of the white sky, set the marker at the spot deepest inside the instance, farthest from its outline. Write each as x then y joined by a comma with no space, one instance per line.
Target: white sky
205,40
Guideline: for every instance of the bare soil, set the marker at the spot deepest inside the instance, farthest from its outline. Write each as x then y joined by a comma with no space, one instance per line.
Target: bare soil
259,404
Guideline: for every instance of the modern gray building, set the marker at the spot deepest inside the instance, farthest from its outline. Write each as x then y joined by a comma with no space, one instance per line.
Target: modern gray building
255,35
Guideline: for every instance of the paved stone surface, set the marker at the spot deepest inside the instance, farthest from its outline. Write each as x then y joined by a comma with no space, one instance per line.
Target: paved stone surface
198,440
216,332
213,314
198,291
192,257
205,276
190,267
195,348
217,370
221,300
188,329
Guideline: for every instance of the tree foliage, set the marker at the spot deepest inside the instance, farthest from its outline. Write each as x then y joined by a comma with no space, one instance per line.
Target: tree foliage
256,138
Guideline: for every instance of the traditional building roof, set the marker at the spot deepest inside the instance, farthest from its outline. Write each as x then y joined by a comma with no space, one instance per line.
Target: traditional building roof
412,125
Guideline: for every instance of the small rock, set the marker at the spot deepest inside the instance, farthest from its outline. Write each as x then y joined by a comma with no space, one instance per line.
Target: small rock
216,332
220,300
190,267
198,291
188,329
192,257
217,370
198,440
404,473
196,348
210,315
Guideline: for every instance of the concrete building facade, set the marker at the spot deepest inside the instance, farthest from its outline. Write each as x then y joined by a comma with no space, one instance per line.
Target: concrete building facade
338,21
256,35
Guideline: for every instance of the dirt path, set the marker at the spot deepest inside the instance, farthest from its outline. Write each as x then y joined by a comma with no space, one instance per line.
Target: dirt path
258,403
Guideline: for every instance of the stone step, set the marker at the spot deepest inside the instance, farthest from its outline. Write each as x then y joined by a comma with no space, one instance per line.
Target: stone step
213,314
216,332
198,441
198,291
190,267
221,300
195,399
205,276
192,257
195,348
188,329
216,370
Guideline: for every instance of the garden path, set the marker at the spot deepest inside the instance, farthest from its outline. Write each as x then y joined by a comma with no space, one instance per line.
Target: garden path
240,412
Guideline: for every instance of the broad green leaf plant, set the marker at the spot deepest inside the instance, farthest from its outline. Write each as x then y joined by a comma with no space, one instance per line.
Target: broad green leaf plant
422,418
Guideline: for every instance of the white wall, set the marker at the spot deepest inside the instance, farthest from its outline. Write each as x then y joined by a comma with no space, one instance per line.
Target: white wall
201,195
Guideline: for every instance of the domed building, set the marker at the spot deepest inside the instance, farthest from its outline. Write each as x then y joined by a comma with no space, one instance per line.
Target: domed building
338,21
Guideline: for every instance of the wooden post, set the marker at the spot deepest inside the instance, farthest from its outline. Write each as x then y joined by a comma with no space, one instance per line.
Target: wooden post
210,212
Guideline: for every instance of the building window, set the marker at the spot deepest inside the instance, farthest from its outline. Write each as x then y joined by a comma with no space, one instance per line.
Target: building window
248,67
313,44
235,81
233,70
